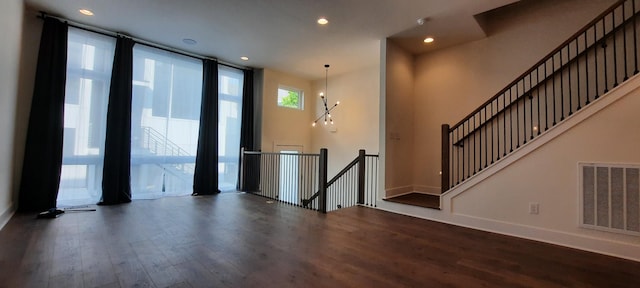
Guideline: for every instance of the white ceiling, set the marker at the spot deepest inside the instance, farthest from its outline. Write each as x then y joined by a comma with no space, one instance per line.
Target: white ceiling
283,34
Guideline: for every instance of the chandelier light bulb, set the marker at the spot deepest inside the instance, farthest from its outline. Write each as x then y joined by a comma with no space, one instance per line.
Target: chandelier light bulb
325,122
313,124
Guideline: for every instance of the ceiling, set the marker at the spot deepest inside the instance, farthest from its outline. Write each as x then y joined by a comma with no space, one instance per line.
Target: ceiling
283,34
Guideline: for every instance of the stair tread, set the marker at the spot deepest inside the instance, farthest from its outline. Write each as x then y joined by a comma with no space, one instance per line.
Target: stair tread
417,199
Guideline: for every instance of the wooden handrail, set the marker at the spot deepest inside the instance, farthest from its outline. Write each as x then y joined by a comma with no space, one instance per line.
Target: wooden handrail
603,41
534,87
545,59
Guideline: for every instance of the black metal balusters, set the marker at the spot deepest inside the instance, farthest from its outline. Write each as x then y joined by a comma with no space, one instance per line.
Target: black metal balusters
553,85
615,50
561,88
546,99
539,126
474,145
486,128
517,118
586,70
531,103
624,45
578,71
492,115
604,56
635,36
486,144
460,159
498,130
504,123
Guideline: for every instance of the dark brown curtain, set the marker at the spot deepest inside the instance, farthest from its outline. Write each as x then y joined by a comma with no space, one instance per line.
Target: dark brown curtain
116,176
247,141
43,149
205,178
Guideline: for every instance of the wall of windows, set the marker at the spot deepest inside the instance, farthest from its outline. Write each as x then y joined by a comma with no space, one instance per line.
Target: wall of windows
166,98
165,118
89,62
229,120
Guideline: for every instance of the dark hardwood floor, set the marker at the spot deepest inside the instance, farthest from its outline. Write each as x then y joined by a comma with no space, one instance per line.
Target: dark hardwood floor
240,240
417,199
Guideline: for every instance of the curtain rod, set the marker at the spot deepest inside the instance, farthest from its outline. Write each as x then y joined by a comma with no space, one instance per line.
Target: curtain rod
110,33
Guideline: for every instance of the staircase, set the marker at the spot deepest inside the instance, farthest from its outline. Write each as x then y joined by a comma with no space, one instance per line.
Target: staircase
584,68
512,166
176,161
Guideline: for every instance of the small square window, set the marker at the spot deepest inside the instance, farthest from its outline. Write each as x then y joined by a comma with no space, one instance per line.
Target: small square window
290,97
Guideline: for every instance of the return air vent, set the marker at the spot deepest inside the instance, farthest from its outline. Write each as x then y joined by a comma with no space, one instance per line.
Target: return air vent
610,197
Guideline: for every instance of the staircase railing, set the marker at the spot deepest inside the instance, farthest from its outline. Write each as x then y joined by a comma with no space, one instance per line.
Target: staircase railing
158,144
293,178
284,177
355,184
597,58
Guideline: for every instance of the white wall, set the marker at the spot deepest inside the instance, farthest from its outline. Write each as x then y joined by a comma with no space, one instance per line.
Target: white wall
399,124
356,119
451,83
281,125
11,16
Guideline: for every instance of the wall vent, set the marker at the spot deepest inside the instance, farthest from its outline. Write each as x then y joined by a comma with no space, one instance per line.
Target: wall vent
610,197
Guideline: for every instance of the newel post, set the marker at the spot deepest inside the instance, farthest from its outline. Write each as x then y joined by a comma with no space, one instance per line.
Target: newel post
445,158
322,181
361,171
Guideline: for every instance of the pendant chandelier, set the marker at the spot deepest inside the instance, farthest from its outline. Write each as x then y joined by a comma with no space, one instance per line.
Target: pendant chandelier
323,95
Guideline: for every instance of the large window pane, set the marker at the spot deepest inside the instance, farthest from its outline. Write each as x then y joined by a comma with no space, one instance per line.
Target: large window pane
229,108
89,61
167,90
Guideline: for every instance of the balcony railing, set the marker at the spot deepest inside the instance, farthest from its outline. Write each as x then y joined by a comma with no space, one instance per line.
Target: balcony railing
301,179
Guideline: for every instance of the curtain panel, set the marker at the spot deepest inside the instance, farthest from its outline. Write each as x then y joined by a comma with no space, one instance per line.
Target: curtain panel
43,149
205,178
116,177
247,140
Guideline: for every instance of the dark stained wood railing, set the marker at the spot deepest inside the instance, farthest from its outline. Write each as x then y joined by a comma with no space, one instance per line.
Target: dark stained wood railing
283,177
293,178
355,184
594,60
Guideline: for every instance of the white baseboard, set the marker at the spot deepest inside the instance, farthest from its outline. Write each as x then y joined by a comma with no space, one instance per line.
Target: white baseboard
404,190
6,215
431,190
397,191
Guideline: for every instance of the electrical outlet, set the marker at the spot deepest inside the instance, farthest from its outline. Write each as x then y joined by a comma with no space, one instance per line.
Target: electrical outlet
534,208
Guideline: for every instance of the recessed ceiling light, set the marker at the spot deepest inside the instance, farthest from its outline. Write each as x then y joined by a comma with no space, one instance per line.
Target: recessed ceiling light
428,40
323,21
244,58
189,41
86,12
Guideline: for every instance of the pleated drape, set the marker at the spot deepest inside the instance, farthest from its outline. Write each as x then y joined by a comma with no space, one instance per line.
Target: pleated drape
247,137
116,177
43,149
205,178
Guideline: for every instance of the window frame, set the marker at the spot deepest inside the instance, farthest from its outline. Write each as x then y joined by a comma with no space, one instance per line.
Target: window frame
291,89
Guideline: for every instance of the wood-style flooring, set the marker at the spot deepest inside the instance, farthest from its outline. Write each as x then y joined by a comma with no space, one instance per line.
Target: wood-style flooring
241,240
417,199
